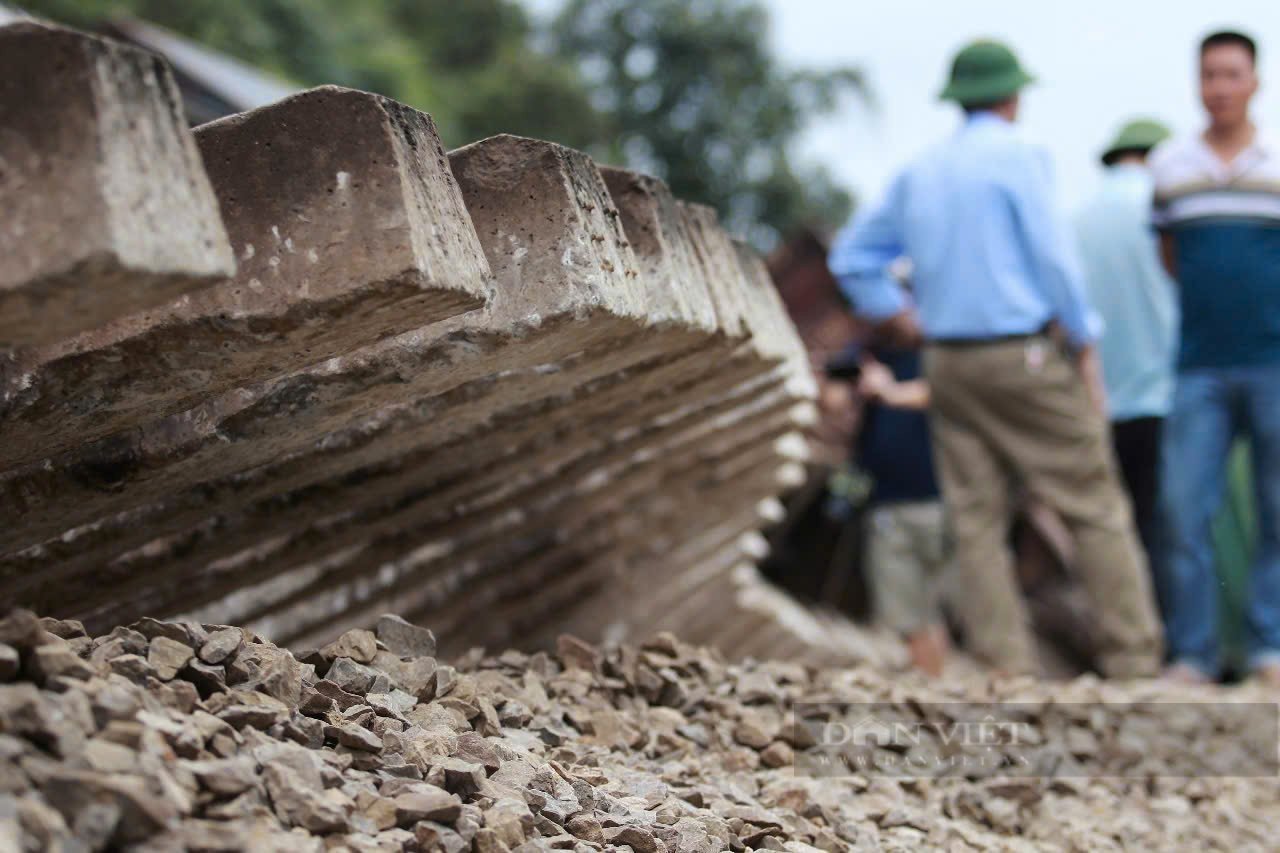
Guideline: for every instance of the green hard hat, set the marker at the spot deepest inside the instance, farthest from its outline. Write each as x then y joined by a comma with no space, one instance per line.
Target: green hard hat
985,72
1140,135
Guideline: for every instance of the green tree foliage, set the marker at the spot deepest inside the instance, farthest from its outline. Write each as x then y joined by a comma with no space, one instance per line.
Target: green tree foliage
471,64
693,95
685,89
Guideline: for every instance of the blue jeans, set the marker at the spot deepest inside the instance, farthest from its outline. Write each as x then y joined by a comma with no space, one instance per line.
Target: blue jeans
1210,408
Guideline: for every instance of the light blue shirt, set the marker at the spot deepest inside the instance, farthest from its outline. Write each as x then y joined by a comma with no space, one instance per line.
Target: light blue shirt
990,253
1134,295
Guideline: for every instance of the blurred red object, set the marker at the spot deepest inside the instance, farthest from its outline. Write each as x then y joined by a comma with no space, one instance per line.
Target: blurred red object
827,327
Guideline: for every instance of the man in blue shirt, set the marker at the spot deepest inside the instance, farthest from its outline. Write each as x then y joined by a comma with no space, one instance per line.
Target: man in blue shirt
997,284
1217,205
1138,304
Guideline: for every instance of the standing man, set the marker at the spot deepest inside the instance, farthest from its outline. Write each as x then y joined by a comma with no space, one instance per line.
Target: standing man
1217,205
995,278
1138,305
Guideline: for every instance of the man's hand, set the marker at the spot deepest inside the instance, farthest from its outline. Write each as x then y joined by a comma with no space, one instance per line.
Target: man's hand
875,381
878,383
1090,366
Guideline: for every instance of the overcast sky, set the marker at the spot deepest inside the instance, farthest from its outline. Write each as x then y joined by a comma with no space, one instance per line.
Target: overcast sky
1099,62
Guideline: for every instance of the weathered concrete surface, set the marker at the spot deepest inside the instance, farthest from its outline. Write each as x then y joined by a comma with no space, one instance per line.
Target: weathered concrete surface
340,385
385,531
784,340
397,449
653,224
187,558
493,591
478,550
107,209
543,434
627,564
484,517
598,304
342,240
341,431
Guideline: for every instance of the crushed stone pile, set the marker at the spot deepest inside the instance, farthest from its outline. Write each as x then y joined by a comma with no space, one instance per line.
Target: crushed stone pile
177,736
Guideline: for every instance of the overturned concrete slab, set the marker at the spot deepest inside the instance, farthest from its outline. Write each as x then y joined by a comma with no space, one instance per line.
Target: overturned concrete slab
478,549
593,306
342,240
652,222
416,509
582,293
107,207
341,432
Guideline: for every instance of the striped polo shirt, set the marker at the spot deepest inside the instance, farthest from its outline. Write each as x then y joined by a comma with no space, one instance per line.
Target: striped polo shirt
1225,222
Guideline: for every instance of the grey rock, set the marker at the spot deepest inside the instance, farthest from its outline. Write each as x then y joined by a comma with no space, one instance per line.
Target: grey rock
361,715
313,658
96,823
446,677
460,777
299,798
430,835
10,663
167,657
427,804
574,652
257,715
358,644
179,632
142,812
103,653
105,756
180,695
351,677
777,754
382,725
131,666
225,777
316,704
515,715
416,676
22,630
305,731
26,712
57,659
67,629
384,706
750,733
207,679
222,645
269,670
251,804
509,820
353,736
129,641
586,827
405,639
477,750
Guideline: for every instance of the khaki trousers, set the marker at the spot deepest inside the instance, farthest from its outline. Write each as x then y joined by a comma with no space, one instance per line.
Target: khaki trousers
1013,413
908,548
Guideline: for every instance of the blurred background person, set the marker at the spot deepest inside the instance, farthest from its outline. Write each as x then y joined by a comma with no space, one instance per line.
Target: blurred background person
1135,298
908,545
993,270
1217,203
